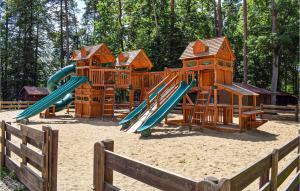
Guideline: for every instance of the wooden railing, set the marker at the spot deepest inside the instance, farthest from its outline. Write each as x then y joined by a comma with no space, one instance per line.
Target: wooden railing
106,161
13,105
123,78
155,78
266,170
274,109
40,160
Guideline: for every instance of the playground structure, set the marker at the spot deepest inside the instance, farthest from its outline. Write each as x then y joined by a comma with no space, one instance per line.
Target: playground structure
202,84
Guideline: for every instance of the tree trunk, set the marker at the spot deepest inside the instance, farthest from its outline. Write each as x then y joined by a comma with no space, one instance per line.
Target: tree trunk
67,33
215,18
188,10
61,35
275,54
245,37
121,26
220,23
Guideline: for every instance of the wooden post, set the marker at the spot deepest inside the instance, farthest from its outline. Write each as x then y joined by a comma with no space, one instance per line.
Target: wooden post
274,170
262,109
297,113
53,156
215,107
108,173
2,152
240,112
298,167
99,168
264,178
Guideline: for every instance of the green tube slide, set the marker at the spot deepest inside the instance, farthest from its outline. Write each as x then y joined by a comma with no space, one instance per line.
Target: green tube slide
132,115
163,111
53,97
54,82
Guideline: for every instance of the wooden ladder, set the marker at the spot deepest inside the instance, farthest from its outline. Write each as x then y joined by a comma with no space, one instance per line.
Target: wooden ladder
199,112
108,102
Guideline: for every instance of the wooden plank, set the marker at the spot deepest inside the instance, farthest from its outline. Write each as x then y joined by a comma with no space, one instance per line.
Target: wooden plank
248,175
13,148
294,184
53,156
2,151
287,170
13,130
108,173
274,170
33,156
99,168
148,174
12,165
287,148
30,179
34,134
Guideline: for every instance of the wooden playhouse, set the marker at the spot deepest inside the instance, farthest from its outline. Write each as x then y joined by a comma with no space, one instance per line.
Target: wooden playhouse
128,73
210,61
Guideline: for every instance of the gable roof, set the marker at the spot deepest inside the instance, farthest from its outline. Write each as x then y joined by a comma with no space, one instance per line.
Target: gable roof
35,91
253,88
130,58
91,50
214,44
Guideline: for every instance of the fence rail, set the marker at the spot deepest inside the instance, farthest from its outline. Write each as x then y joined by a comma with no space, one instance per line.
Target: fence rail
43,157
266,170
274,109
13,105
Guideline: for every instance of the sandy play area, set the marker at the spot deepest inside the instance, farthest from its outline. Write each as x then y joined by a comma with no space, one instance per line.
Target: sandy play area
193,154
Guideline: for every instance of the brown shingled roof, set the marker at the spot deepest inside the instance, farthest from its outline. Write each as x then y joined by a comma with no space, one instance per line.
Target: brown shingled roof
130,56
35,91
90,51
213,44
253,88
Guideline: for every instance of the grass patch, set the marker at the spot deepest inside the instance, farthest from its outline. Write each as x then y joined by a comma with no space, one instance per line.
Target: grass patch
9,180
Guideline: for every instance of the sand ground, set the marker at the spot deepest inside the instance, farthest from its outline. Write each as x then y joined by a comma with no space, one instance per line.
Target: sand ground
193,154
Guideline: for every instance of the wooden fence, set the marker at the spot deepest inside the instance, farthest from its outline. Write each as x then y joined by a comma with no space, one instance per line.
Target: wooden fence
274,109
266,169
37,151
106,161
13,105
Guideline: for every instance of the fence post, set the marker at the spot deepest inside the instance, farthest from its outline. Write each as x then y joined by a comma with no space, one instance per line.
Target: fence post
52,155
108,174
274,170
2,152
99,168
298,167
297,113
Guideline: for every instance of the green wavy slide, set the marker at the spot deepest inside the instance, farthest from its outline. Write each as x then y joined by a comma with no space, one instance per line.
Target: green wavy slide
163,111
132,115
60,97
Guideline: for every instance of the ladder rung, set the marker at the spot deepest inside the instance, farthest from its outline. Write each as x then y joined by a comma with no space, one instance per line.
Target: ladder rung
108,114
202,99
201,112
203,92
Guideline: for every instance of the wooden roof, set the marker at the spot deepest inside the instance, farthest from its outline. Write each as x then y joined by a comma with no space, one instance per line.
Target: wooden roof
236,90
212,45
136,59
253,88
34,91
86,52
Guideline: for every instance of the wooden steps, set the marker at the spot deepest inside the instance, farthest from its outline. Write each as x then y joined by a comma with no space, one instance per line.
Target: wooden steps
198,114
108,102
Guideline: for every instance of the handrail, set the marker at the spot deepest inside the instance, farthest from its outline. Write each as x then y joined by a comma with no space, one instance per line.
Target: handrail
155,88
165,88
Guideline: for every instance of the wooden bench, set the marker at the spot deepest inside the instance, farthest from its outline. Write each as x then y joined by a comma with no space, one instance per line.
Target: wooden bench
253,112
